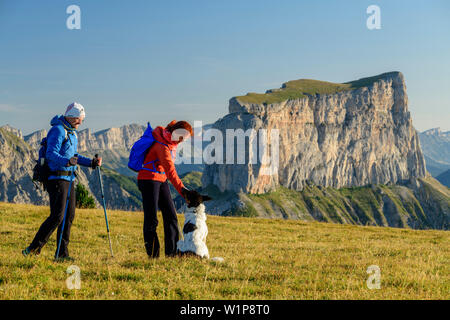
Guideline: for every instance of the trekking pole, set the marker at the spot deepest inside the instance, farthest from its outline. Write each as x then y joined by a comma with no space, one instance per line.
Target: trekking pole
65,213
104,208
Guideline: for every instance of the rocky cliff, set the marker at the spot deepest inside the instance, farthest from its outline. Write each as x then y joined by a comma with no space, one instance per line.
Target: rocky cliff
16,169
112,138
112,144
347,153
34,139
334,135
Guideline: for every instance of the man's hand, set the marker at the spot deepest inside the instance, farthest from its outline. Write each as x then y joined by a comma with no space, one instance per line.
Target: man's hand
72,161
96,162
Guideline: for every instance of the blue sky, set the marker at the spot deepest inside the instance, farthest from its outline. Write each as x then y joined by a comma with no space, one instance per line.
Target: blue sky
139,61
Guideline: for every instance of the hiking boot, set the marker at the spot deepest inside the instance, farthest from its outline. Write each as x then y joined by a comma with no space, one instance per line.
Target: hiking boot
28,252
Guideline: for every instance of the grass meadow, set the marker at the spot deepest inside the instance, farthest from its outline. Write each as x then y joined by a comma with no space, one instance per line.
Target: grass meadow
264,259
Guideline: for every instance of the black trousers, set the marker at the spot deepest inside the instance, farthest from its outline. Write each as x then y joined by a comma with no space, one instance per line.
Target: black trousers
157,194
57,190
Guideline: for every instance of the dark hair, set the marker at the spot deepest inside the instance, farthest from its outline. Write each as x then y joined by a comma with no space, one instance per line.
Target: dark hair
174,125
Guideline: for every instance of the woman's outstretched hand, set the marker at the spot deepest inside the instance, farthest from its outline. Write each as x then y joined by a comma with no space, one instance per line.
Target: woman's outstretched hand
186,193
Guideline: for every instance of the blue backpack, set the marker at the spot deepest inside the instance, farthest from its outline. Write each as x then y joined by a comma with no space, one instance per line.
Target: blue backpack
41,171
139,151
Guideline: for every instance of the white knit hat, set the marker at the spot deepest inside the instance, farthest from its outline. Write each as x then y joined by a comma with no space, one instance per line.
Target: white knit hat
75,110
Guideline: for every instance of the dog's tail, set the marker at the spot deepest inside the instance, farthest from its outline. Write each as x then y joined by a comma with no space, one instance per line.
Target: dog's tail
217,259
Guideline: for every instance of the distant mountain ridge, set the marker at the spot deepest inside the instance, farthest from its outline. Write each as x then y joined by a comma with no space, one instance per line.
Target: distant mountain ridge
436,148
16,169
18,154
444,178
114,145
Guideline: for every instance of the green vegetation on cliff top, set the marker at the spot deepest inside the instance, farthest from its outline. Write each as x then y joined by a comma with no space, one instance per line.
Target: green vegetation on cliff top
18,144
296,89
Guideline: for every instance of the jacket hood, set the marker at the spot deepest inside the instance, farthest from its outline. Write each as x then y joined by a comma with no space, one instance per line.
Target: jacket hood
57,120
158,134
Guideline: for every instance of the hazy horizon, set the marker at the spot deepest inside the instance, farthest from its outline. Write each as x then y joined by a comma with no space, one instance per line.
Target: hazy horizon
94,130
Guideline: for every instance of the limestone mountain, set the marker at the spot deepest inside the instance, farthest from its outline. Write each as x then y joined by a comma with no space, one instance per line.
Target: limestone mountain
16,169
335,136
331,135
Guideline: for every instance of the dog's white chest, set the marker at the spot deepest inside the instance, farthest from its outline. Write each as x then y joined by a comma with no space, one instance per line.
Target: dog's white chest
195,232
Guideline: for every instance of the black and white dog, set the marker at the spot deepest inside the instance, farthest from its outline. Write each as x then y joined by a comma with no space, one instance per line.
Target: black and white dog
195,229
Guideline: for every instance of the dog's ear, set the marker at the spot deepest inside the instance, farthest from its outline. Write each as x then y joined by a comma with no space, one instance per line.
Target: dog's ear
188,199
206,198
189,194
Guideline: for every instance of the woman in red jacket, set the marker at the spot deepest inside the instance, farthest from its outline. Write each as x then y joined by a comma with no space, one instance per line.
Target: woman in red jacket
152,182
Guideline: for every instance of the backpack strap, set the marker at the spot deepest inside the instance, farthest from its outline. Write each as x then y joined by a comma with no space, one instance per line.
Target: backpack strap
67,131
171,153
162,143
153,161
154,168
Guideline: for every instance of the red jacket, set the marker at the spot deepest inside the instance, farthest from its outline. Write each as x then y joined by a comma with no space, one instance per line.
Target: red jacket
164,160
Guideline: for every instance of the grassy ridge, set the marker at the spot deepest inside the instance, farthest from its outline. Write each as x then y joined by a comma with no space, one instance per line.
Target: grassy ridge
364,205
19,145
264,259
191,180
297,89
129,184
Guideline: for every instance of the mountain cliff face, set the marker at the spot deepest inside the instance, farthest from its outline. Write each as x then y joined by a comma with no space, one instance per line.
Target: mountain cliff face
112,138
16,169
34,139
354,134
112,144
348,153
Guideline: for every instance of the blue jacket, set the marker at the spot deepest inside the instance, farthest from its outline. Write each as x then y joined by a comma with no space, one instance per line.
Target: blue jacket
59,152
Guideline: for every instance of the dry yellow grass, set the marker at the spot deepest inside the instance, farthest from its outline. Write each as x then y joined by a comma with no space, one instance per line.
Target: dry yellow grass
264,259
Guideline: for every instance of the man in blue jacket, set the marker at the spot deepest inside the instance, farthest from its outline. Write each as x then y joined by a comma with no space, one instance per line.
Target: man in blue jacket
62,158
